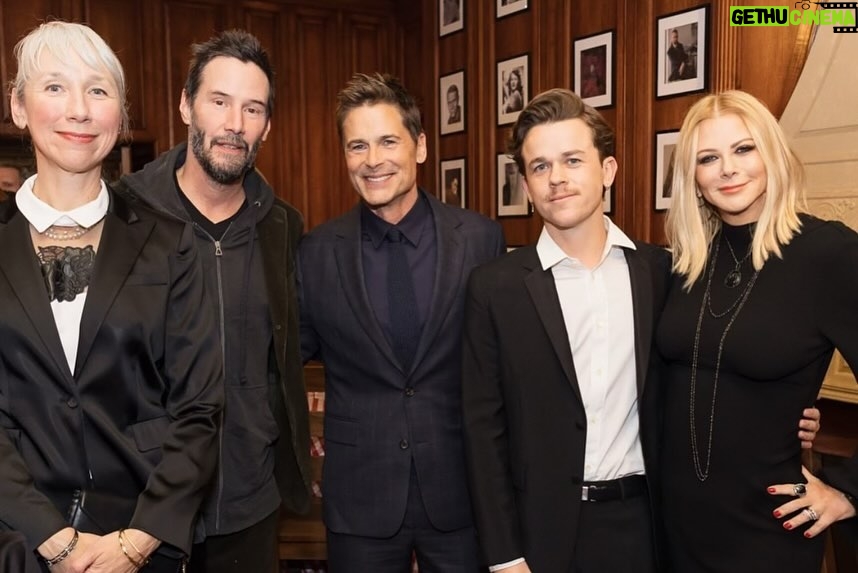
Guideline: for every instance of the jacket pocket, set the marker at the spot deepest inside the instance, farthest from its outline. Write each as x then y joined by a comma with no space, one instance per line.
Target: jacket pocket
145,279
150,434
340,430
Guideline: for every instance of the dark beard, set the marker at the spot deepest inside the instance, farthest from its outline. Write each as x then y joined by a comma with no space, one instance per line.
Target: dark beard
230,172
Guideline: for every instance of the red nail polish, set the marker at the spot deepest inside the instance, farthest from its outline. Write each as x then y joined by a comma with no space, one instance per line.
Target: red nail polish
776,513
807,534
771,490
787,525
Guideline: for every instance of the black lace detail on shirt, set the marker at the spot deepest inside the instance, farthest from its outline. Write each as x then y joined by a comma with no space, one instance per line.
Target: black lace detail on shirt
66,270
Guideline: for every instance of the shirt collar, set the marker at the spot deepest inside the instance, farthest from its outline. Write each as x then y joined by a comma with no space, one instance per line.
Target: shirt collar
551,254
374,228
41,215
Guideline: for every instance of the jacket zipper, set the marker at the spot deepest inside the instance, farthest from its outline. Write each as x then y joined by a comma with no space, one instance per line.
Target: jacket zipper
221,323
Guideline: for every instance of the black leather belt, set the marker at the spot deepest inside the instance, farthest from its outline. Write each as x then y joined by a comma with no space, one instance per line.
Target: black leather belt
622,488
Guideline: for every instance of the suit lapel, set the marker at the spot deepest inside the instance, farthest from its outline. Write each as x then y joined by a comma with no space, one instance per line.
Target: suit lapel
350,267
448,275
18,262
642,300
122,239
540,285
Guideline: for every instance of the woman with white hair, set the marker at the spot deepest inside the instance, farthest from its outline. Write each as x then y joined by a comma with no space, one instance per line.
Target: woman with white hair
110,376
762,296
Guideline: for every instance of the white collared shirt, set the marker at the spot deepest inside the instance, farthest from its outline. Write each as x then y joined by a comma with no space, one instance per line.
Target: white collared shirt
67,314
599,318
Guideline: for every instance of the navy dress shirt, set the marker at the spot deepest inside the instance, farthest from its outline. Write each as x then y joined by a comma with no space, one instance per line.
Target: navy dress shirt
418,227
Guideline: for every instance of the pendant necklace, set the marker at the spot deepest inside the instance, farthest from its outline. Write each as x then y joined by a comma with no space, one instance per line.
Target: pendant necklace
734,277
701,466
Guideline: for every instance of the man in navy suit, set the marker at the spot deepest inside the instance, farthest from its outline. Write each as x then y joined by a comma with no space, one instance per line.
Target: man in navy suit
382,296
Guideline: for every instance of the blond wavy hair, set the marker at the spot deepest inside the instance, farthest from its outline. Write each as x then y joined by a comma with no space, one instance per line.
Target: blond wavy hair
692,222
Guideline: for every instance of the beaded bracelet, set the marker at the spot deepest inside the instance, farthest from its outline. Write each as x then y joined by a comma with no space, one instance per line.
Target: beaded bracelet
143,559
65,552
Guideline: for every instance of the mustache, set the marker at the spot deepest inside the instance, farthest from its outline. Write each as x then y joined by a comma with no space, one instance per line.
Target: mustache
234,140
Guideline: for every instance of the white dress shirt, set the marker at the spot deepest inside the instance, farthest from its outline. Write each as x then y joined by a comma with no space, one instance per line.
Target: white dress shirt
67,314
599,318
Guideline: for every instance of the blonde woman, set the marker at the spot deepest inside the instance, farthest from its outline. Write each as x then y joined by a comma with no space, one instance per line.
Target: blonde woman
110,377
762,296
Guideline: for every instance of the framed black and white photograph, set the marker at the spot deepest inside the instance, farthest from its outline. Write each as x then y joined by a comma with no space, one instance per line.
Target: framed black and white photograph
608,201
453,182
507,7
681,53
513,88
451,16
665,146
594,69
452,98
512,200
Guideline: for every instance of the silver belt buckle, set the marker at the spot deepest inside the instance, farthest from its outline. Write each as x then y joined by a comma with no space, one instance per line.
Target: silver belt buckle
585,493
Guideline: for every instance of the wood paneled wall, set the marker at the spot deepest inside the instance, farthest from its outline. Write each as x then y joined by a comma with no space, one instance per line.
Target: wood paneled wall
763,61
315,47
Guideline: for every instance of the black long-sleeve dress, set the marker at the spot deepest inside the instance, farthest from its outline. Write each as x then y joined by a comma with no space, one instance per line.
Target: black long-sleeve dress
777,348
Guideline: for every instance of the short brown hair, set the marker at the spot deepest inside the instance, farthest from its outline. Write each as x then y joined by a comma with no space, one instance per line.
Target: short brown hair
238,44
365,89
559,105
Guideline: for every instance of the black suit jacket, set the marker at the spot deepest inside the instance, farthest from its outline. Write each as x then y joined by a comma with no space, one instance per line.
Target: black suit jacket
525,424
137,417
379,416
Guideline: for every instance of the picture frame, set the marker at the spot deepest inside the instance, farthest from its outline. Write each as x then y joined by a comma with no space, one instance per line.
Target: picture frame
593,62
608,201
682,52
451,91
453,182
451,16
665,146
513,87
507,7
511,197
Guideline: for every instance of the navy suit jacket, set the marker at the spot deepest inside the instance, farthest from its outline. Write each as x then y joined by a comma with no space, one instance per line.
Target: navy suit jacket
379,416
525,423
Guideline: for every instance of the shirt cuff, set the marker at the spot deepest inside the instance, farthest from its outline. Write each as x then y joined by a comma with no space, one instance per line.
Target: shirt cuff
501,566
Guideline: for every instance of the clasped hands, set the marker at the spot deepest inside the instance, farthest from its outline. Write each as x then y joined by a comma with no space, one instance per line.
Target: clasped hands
99,553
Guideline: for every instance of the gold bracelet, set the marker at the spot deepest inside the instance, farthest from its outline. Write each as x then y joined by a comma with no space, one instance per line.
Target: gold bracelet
58,558
131,543
138,564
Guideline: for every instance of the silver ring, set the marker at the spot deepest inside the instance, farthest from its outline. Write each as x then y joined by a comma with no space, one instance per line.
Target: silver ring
799,489
810,513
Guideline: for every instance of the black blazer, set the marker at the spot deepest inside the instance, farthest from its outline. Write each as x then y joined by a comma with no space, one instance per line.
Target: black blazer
138,416
525,424
378,416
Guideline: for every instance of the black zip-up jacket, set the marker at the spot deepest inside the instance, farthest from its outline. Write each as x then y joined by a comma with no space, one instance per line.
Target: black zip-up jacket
265,442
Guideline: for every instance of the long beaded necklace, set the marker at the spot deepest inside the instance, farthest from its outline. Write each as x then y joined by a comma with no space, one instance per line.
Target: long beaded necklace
701,468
